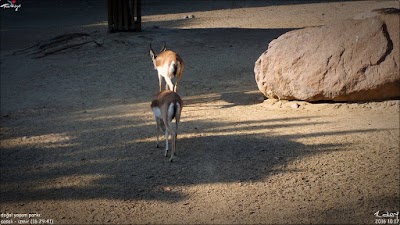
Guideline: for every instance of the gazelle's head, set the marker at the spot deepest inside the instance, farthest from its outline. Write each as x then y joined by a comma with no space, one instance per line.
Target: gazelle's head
153,54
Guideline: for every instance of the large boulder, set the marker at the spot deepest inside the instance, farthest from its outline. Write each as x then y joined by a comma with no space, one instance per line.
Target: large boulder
354,60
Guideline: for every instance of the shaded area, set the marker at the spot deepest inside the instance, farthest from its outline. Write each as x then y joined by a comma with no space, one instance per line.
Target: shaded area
128,168
242,98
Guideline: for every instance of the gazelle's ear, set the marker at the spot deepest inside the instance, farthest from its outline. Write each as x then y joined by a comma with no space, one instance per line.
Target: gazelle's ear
152,53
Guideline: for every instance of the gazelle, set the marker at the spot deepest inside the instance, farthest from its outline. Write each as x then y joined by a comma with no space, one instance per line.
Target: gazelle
166,106
168,65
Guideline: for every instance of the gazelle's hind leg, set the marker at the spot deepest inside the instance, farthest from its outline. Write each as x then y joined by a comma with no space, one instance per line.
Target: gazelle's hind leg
176,84
169,85
178,75
174,136
160,81
158,131
166,142
174,130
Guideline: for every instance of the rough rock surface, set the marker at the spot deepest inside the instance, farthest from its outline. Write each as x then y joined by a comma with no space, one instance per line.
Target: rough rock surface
355,60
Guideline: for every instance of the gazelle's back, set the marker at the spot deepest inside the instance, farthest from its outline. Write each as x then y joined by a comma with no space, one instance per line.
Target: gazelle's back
167,56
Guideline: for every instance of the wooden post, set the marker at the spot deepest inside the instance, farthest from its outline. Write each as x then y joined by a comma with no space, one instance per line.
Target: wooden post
110,15
122,13
139,15
114,15
132,8
126,14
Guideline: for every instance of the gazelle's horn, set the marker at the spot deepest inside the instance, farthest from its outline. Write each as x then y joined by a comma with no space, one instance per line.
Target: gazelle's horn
151,47
164,47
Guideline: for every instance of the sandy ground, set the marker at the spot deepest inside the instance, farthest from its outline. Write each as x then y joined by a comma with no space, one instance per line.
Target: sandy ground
78,136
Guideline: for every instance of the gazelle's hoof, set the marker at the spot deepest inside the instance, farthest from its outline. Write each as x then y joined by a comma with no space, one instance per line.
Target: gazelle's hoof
173,159
166,153
157,146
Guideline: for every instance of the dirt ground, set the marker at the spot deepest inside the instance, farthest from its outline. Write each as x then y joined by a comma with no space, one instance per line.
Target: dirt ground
78,136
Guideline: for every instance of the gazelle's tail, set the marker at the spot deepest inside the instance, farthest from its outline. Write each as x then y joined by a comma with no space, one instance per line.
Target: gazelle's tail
173,68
